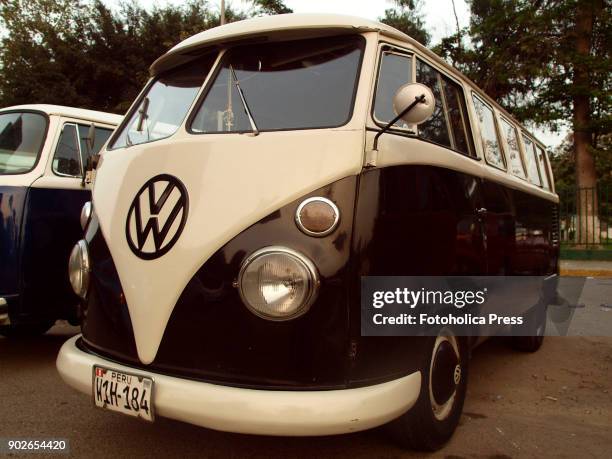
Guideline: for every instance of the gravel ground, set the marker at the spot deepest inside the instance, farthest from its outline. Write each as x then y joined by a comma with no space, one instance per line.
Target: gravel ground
557,402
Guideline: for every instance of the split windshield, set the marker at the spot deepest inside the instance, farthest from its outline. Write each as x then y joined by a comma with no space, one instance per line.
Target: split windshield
164,106
301,84
21,138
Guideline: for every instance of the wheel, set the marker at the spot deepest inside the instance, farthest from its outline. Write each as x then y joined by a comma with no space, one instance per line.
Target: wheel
536,326
434,417
26,330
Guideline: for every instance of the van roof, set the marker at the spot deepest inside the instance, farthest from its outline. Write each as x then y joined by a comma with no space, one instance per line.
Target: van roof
281,25
301,25
72,112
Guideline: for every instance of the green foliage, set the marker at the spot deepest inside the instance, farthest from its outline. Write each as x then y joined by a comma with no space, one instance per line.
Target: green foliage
83,54
271,7
563,163
523,54
407,18
526,55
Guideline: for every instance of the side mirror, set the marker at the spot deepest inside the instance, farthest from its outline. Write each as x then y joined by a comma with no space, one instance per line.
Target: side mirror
414,103
406,95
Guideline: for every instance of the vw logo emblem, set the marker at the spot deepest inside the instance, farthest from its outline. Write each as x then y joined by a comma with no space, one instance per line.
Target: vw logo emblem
457,374
157,217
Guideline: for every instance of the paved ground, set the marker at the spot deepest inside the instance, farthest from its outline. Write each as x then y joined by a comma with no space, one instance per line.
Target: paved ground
555,402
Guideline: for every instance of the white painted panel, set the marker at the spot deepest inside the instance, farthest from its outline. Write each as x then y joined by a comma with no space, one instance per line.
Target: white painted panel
232,182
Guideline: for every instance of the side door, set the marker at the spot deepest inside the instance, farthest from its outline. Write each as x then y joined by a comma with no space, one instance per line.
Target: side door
498,214
52,225
428,183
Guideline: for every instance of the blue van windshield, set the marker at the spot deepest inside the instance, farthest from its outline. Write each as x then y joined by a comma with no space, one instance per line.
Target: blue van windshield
22,135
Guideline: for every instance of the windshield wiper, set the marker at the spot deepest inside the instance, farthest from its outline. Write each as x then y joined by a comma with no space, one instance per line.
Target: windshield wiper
142,113
244,102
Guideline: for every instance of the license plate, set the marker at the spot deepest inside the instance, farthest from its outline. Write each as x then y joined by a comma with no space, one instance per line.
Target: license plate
125,393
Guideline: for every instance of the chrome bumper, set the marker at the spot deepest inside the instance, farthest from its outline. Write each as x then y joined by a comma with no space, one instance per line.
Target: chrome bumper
263,412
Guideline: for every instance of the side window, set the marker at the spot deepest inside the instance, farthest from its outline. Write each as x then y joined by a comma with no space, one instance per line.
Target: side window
458,116
67,159
532,162
488,131
543,167
510,136
435,129
395,71
449,125
102,136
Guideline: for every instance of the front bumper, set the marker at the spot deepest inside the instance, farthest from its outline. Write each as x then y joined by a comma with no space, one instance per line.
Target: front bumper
262,412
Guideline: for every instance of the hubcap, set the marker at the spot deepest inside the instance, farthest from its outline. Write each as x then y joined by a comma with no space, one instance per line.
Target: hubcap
444,375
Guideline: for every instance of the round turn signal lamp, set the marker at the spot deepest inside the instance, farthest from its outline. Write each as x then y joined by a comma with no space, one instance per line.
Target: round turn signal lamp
317,216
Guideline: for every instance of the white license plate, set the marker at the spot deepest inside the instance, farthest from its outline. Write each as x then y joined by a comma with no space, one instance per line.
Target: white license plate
125,393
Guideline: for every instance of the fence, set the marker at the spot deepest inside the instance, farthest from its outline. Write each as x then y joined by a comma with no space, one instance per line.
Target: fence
585,217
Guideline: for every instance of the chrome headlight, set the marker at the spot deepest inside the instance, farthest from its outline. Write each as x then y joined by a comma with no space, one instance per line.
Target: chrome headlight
278,283
85,214
79,268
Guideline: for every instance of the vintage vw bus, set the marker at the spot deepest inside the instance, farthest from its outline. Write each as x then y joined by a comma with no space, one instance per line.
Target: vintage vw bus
246,193
44,150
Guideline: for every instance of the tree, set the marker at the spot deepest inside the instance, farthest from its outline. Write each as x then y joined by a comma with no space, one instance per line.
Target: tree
407,17
81,53
270,7
547,62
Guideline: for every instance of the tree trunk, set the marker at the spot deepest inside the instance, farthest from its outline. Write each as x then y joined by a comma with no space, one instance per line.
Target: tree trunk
586,177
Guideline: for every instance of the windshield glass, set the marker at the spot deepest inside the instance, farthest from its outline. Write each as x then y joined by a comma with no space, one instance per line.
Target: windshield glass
164,106
290,85
21,138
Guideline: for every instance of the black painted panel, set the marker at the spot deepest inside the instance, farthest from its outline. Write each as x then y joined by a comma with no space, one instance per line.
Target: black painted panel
51,228
410,221
212,336
12,200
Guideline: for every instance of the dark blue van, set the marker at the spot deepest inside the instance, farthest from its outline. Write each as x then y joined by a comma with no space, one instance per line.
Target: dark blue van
44,152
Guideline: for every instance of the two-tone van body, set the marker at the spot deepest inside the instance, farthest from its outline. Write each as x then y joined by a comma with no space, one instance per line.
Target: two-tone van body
43,152
241,201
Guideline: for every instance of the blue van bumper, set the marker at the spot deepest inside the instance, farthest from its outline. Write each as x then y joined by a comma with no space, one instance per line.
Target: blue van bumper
4,317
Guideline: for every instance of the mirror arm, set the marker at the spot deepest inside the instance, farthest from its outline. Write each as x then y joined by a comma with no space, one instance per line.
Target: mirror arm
92,164
417,100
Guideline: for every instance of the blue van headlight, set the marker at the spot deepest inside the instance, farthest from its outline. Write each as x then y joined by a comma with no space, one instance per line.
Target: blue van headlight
277,283
85,214
79,268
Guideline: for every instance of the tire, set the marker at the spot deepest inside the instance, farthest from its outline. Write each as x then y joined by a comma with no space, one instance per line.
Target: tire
433,419
536,327
26,330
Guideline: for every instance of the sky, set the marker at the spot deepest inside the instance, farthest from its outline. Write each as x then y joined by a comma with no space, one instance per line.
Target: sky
438,16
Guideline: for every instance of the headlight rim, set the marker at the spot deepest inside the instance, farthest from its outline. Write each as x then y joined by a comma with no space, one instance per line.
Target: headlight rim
329,202
314,281
84,268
